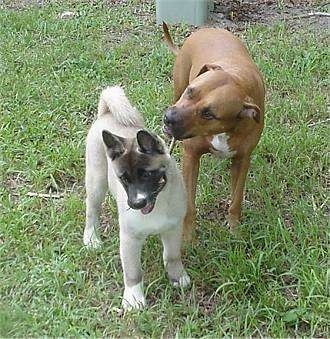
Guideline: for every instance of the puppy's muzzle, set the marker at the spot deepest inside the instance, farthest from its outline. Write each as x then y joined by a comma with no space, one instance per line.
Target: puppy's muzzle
137,202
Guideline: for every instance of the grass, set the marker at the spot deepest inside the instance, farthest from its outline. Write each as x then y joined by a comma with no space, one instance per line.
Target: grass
269,280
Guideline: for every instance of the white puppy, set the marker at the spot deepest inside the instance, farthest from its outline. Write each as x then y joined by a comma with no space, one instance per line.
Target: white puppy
146,183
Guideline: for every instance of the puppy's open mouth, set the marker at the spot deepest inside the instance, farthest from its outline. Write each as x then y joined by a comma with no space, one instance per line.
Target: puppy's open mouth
148,208
151,204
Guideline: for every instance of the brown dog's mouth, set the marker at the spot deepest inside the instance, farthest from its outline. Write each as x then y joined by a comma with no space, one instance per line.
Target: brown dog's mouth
148,208
170,132
167,131
177,135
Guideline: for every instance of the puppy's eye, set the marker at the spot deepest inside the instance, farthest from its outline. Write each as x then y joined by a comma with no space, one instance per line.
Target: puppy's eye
207,114
162,180
125,178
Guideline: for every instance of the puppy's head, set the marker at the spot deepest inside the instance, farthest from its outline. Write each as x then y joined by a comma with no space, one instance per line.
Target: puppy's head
140,165
211,104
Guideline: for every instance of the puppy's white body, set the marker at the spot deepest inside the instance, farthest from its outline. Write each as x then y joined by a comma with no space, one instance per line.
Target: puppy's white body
116,115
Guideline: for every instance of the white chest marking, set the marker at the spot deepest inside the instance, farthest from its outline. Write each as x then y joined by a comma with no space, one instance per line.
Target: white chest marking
220,146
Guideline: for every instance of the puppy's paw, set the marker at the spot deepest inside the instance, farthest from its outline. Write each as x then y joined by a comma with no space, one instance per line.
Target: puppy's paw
183,281
92,241
133,298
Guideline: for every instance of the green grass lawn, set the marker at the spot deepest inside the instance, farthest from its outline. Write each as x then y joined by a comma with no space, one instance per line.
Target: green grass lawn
268,280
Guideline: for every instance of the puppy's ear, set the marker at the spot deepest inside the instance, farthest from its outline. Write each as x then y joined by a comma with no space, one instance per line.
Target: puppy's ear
114,144
251,111
209,67
149,143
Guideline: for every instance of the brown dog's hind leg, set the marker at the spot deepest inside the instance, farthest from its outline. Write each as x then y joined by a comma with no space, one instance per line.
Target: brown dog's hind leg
239,169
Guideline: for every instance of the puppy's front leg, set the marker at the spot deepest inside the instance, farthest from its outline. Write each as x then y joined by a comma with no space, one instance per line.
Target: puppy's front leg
172,258
130,254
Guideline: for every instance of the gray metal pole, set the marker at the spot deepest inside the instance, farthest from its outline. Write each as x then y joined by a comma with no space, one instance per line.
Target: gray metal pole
193,12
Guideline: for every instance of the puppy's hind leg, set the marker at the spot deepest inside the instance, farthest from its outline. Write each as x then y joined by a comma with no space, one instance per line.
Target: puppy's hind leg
96,188
172,258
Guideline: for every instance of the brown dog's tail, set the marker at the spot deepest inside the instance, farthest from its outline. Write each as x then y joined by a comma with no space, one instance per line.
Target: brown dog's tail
168,40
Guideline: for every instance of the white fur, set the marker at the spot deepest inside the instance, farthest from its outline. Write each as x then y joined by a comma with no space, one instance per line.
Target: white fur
91,239
133,297
140,195
117,116
220,146
113,100
183,282
167,214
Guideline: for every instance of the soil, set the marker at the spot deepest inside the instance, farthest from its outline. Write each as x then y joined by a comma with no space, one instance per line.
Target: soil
236,15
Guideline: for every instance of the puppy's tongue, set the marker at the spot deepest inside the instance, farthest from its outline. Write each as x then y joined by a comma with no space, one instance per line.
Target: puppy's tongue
147,208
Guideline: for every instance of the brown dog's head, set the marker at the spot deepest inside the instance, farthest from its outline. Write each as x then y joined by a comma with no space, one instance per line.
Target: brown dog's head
211,104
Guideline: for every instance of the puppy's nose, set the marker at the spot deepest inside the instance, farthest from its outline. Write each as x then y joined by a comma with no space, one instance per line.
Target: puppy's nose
170,116
137,203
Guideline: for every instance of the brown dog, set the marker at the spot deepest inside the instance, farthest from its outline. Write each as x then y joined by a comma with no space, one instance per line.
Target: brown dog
219,108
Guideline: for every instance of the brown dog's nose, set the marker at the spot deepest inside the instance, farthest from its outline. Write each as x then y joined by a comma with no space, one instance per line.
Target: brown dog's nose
170,116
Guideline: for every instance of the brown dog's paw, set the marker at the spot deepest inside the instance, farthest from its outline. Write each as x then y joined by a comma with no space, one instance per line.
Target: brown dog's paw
189,229
233,223
189,236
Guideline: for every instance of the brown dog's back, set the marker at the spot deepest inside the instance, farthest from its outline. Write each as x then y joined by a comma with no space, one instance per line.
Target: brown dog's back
212,45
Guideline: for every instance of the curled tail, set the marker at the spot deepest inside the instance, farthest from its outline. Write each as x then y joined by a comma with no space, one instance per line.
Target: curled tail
114,101
169,41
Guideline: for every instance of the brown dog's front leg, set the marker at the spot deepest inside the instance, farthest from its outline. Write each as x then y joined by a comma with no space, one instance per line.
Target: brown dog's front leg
238,170
190,175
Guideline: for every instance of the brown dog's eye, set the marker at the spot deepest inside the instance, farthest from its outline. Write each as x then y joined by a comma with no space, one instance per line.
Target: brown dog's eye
190,92
207,114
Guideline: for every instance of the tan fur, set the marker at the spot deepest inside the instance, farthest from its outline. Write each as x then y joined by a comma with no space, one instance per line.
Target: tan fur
213,69
116,146
168,40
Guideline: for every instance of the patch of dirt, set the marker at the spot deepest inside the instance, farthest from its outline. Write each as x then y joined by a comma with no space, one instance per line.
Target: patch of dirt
20,4
217,211
14,180
109,217
236,15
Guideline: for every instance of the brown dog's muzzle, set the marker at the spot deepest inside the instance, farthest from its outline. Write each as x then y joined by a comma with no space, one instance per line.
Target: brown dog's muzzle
174,124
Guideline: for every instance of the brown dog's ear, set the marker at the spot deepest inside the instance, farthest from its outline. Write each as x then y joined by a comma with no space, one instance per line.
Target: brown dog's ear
251,111
114,144
209,67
